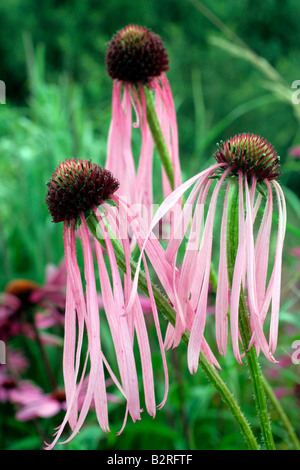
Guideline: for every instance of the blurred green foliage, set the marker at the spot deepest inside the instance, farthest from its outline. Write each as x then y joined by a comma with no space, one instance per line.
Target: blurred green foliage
75,35
231,71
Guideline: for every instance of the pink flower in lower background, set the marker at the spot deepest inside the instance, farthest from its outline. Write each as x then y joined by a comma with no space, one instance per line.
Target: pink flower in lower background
294,151
296,252
9,376
51,295
75,190
33,402
135,58
284,378
245,164
14,306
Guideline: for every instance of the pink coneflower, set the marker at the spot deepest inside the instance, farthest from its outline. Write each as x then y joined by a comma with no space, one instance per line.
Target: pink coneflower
296,252
33,402
80,189
136,60
248,166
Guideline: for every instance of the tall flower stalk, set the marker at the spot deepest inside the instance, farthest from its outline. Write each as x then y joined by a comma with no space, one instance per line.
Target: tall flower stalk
136,60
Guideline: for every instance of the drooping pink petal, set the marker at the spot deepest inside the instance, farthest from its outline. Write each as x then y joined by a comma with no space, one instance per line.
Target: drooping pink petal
119,153
167,116
256,206
112,317
196,337
157,326
96,387
255,318
171,256
139,326
205,251
127,362
187,287
165,109
197,265
76,291
262,248
69,352
277,267
160,213
75,307
278,255
238,276
144,185
137,226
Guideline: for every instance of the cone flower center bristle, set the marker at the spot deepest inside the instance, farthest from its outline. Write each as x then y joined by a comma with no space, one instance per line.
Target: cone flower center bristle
133,36
136,54
251,154
21,288
76,186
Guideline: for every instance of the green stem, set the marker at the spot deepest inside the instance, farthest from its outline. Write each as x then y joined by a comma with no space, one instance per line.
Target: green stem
44,356
166,309
158,136
244,323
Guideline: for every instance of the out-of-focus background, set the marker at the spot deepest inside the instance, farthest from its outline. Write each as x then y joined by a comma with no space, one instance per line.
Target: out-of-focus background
234,68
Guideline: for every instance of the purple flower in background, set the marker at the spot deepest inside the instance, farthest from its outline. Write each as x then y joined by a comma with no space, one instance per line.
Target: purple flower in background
294,151
296,252
25,301
75,191
33,402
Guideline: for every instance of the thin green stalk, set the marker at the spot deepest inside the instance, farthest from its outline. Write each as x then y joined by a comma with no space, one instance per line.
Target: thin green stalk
158,137
166,309
45,359
244,323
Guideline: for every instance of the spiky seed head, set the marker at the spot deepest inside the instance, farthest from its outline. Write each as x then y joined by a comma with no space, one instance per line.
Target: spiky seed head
136,54
252,154
76,186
